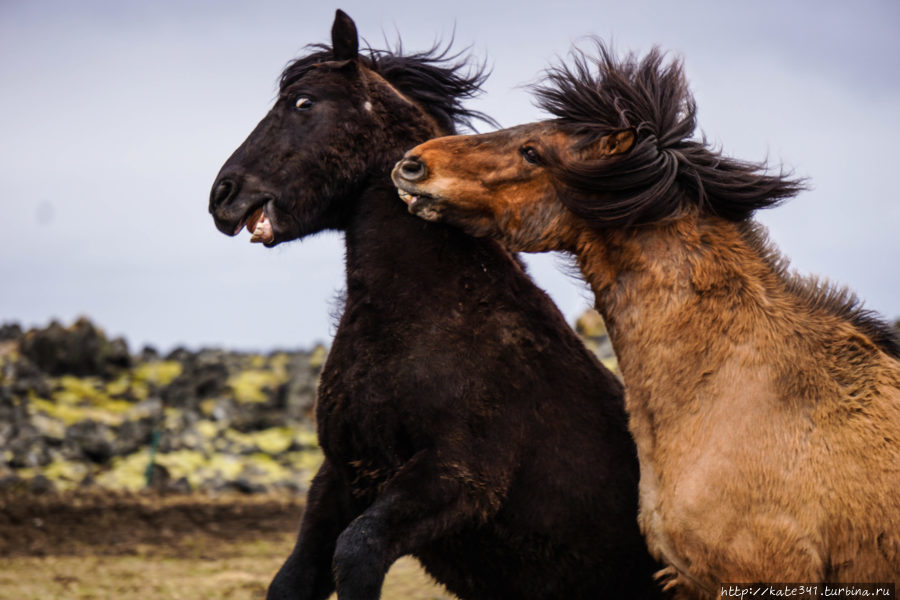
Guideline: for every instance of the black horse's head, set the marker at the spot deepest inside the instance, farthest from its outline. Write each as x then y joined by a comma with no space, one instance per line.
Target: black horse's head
340,120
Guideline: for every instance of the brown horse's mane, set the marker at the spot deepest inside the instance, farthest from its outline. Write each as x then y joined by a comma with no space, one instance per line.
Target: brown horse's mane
438,80
667,170
822,295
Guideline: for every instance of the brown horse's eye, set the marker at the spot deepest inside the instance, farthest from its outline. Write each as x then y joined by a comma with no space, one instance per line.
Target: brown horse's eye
303,103
530,155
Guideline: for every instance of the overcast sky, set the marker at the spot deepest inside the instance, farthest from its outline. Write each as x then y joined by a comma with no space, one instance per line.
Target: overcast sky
116,116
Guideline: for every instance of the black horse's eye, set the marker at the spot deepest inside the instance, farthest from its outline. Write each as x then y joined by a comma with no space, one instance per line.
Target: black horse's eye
303,103
530,155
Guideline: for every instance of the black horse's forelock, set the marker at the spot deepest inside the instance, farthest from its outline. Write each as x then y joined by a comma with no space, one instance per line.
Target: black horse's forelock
667,169
298,67
438,80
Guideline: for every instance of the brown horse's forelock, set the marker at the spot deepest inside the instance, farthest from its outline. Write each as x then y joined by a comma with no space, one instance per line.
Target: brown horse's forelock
437,80
667,170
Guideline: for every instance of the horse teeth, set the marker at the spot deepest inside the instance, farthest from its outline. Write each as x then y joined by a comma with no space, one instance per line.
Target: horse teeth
407,197
262,231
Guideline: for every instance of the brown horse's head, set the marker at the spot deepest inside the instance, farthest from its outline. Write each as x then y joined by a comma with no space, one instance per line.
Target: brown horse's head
620,152
500,184
341,120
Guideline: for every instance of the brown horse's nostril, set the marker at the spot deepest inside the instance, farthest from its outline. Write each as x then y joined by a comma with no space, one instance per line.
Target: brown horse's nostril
223,191
412,169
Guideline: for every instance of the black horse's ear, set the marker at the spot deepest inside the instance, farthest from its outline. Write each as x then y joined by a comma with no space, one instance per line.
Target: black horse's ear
344,39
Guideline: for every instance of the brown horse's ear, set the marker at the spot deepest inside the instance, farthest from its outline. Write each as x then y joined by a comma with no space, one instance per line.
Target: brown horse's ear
616,143
344,39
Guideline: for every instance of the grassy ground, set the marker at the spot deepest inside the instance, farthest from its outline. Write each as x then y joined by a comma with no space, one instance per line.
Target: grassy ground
235,571
191,559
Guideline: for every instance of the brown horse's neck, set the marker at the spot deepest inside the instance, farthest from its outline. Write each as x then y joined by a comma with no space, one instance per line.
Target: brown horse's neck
669,292
700,311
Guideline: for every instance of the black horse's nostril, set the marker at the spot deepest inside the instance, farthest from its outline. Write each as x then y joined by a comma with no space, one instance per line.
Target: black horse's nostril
412,169
222,192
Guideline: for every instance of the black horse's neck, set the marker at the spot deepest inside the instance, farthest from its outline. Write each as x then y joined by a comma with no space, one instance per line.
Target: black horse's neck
397,260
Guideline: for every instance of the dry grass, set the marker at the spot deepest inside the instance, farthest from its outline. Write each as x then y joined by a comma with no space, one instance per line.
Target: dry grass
207,549
213,571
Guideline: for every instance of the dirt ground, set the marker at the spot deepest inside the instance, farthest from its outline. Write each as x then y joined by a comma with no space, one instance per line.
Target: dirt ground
159,547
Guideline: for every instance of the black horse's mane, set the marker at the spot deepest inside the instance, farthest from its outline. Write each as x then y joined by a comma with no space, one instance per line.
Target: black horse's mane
437,79
667,169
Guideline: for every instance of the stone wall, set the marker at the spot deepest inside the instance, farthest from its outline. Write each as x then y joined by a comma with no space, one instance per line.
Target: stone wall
77,410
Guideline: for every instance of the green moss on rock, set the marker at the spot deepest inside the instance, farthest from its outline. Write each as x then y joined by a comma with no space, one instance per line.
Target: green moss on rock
159,373
255,385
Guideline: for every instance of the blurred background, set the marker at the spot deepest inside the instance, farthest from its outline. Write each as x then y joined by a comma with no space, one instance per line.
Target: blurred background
158,440
116,116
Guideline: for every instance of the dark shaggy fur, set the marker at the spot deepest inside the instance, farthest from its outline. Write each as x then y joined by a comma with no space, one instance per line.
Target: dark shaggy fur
461,419
666,169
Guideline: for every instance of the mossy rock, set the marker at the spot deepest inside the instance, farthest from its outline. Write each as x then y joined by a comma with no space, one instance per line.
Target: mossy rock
75,399
590,325
274,440
81,349
612,364
222,416
126,473
255,386
306,460
159,373
318,356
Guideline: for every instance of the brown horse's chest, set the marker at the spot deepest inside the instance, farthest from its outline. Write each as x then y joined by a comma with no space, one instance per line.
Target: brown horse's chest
719,481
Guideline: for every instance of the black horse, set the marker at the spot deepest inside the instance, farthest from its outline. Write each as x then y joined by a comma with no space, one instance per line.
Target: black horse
462,420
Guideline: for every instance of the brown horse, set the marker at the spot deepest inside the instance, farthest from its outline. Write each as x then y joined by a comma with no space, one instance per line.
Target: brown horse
765,407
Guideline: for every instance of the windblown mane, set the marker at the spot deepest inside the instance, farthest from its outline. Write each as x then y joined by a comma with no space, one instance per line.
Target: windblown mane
436,79
666,170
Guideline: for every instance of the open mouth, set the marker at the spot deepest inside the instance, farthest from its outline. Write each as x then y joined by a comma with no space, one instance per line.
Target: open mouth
410,199
258,224
420,204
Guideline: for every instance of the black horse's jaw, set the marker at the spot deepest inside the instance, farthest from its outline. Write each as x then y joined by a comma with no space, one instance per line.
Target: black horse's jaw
234,205
260,226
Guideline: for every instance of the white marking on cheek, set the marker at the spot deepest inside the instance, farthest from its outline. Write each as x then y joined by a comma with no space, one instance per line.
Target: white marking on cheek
368,106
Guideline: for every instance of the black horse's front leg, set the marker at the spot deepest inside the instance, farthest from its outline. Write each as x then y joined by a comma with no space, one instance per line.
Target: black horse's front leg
420,503
306,574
